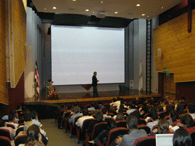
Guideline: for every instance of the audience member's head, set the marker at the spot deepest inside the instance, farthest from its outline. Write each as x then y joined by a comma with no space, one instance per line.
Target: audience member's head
169,108
159,108
132,122
182,137
180,109
111,123
99,102
99,116
163,126
191,107
33,134
153,113
76,109
34,114
186,120
114,99
104,111
173,115
27,117
2,123
183,99
85,111
119,116
11,117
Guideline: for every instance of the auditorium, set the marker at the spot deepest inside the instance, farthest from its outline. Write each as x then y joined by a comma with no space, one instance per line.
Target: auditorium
101,72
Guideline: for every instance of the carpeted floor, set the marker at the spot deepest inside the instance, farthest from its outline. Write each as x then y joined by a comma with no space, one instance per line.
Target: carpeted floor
57,137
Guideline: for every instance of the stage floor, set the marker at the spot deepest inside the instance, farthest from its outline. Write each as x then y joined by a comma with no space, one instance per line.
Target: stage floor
86,97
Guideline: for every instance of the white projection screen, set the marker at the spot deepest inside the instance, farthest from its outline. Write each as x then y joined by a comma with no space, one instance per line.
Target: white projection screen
79,51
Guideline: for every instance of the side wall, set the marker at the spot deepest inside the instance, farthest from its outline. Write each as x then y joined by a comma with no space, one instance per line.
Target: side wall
177,48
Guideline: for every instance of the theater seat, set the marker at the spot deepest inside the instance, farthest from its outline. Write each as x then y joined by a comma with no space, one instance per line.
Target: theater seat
145,141
97,129
113,134
121,123
81,132
5,141
144,127
5,132
20,140
73,126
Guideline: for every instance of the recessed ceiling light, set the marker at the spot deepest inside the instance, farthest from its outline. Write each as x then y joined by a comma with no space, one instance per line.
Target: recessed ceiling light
143,14
115,12
54,8
87,10
74,0
162,7
102,2
138,5
45,9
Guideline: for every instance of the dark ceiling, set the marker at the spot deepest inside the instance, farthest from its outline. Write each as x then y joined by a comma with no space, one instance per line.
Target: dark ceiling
80,20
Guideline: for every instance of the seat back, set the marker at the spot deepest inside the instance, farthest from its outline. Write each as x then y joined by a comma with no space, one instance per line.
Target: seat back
11,125
121,123
154,127
98,128
19,129
114,133
144,127
5,141
20,140
145,141
5,132
86,124
142,121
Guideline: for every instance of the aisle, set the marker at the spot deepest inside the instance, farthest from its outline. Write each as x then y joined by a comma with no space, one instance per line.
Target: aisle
57,137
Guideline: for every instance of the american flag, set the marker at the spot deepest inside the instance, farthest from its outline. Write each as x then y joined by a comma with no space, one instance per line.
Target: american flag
37,79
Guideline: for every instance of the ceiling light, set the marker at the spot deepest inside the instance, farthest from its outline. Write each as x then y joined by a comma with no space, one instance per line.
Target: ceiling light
87,10
162,7
143,14
54,8
45,9
102,2
115,12
74,0
138,5
148,16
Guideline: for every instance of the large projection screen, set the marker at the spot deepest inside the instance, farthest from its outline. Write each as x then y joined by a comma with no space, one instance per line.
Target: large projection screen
79,51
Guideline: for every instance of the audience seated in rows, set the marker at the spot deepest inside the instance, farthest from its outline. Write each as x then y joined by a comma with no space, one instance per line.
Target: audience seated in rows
134,133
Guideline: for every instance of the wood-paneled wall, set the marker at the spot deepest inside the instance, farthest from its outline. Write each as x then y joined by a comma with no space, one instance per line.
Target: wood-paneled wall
18,41
3,89
177,48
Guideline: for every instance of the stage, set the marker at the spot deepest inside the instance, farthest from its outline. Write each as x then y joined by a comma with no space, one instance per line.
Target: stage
88,97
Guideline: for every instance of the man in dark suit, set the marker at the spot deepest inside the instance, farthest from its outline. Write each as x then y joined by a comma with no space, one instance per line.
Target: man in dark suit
94,84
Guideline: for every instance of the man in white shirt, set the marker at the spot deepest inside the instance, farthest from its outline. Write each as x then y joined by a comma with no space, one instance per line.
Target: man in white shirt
76,113
85,116
35,118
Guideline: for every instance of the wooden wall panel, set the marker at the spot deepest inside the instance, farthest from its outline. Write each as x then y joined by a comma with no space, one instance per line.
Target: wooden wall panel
18,50
3,89
177,48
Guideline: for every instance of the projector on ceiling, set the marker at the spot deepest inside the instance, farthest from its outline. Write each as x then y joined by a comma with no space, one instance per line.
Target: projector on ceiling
100,14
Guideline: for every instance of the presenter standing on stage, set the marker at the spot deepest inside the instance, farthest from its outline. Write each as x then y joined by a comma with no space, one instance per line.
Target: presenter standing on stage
94,84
